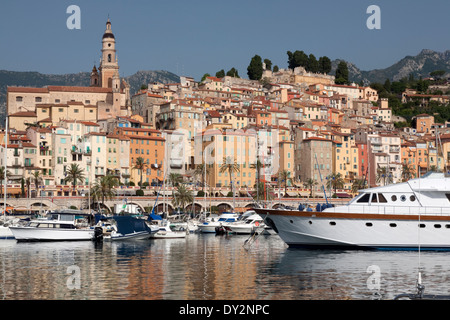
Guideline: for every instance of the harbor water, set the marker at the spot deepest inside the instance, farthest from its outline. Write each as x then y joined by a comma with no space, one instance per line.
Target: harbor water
211,267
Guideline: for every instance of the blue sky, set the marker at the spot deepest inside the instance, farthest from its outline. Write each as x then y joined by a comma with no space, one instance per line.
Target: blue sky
196,36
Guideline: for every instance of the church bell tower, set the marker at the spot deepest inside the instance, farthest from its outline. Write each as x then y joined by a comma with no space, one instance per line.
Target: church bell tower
108,65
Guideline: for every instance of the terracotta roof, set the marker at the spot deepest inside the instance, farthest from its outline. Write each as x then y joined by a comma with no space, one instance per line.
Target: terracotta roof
23,114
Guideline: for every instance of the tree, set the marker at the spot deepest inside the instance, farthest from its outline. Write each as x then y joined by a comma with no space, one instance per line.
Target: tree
220,73
182,197
275,68
255,68
202,170
206,75
358,184
231,167
342,73
324,65
313,64
407,172
297,59
36,176
3,177
309,184
233,73
175,179
335,181
104,188
74,174
268,64
141,166
383,175
285,176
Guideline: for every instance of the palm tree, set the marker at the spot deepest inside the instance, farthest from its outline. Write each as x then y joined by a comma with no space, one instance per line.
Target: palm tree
358,184
257,165
407,172
3,177
231,167
202,170
384,175
104,188
182,197
309,184
141,166
74,174
335,181
285,176
36,176
175,179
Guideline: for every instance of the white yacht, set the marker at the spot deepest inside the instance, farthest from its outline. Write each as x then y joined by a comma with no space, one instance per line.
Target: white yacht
409,215
57,226
209,226
250,223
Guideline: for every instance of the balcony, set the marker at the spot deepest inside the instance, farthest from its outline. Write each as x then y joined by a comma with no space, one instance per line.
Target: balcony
394,149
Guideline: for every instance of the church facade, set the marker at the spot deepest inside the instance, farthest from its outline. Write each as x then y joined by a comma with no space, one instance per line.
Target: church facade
106,97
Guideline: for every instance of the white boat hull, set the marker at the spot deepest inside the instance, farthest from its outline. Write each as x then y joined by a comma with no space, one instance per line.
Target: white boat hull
51,234
208,227
244,228
6,233
168,235
316,229
132,236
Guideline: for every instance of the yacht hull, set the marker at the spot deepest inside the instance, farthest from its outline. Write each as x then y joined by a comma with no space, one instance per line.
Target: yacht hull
51,234
6,233
359,231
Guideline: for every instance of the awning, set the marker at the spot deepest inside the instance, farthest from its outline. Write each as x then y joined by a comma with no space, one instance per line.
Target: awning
343,195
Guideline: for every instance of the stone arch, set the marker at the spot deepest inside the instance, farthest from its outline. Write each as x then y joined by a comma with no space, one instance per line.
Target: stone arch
160,206
277,205
197,208
224,207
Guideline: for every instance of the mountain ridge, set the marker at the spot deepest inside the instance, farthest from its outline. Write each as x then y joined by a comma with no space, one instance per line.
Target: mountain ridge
420,65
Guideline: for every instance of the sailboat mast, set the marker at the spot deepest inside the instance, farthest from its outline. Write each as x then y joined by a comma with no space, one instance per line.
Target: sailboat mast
5,166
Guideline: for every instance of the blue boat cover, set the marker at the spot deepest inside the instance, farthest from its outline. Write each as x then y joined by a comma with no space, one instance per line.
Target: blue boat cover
153,216
129,224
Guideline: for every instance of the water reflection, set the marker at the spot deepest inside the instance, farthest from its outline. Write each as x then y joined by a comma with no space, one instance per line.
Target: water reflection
209,267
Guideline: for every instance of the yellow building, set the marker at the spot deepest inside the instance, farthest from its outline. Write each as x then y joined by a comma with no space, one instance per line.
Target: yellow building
237,147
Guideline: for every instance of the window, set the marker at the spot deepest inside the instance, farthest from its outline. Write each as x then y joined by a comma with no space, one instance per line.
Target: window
412,198
422,225
394,198
332,223
381,198
374,197
364,198
393,225
19,99
369,224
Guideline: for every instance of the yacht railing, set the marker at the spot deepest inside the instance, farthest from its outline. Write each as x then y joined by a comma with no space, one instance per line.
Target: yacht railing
387,210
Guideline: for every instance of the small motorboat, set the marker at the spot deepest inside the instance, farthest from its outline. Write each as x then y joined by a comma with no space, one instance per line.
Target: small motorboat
209,226
249,224
125,228
165,232
57,226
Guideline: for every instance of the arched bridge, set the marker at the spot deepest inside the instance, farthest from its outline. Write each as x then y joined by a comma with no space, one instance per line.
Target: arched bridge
219,204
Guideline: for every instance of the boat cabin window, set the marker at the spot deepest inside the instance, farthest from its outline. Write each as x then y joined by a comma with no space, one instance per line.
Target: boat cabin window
412,198
381,198
448,196
374,197
394,198
364,198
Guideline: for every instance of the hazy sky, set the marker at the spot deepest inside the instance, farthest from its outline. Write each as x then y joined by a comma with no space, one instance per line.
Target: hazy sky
193,37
